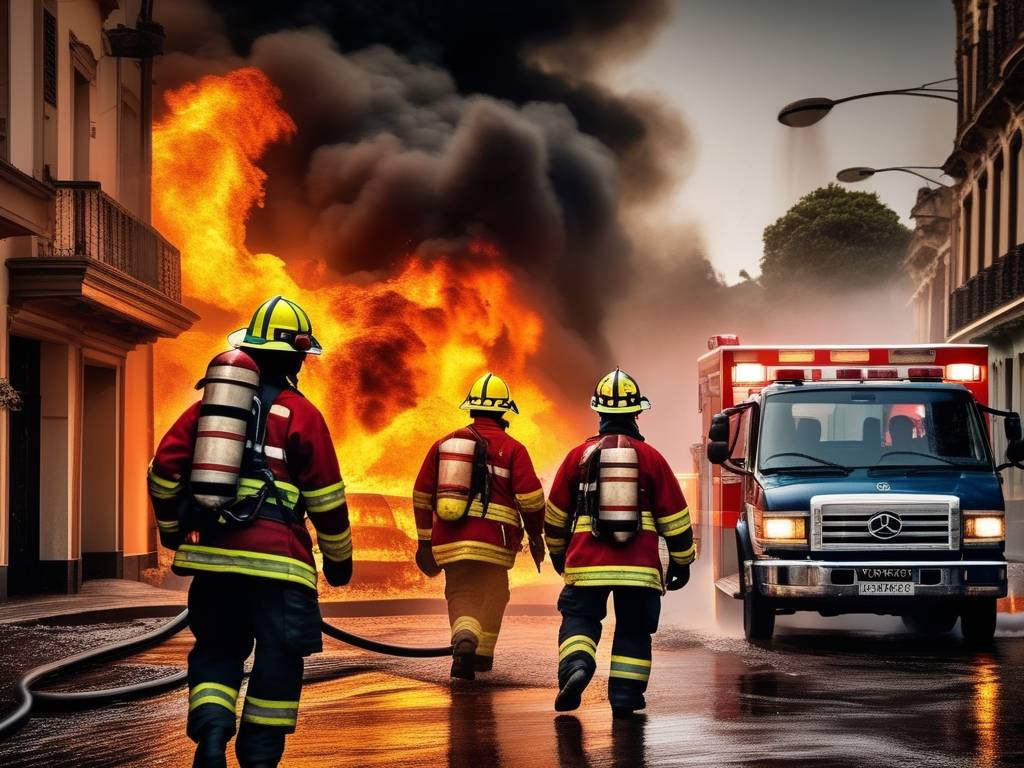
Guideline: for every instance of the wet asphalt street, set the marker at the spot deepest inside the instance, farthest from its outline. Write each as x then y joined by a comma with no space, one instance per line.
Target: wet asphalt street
815,697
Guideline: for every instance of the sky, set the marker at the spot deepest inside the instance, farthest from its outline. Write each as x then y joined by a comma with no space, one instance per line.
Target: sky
729,65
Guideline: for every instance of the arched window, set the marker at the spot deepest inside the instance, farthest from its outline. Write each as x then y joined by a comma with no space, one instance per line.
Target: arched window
967,229
982,221
997,206
1013,192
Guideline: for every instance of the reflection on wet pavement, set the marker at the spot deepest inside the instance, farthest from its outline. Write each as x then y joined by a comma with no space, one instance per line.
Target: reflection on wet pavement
813,698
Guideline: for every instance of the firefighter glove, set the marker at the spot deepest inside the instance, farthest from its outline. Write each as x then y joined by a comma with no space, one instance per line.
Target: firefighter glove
425,560
677,576
537,550
559,562
338,573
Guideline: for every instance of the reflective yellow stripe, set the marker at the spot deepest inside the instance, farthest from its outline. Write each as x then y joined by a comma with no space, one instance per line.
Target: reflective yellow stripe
249,486
155,479
684,557
577,643
554,516
210,700
584,524
530,502
474,550
336,547
423,534
614,575
497,512
468,624
271,703
216,560
488,640
325,499
168,526
673,525
287,722
422,499
631,660
212,693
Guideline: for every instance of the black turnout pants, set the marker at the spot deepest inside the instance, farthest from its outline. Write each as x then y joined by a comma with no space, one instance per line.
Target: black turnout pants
229,614
637,610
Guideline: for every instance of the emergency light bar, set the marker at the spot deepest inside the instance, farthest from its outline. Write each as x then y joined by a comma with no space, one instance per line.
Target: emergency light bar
749,373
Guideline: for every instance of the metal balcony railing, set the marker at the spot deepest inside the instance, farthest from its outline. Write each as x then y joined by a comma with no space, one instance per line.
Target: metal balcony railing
988,290
92,225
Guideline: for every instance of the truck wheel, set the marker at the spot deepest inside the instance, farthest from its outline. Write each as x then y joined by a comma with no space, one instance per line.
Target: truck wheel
758,616
978,622
929,623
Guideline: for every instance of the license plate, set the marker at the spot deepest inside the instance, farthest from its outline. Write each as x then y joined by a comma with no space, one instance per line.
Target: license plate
885,574
885,588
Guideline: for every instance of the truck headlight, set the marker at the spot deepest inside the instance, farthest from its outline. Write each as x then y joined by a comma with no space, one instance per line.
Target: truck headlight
984,528
790,530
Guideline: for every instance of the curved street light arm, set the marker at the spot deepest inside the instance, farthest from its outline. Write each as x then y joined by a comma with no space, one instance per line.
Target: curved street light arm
898,92
910,169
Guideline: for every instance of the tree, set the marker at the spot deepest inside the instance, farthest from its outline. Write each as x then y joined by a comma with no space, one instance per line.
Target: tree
834,239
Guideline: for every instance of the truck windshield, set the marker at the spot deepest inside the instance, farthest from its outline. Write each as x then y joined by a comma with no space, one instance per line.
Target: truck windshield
865,427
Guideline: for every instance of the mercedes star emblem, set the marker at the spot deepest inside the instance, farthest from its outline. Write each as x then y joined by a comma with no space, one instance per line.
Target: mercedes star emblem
885,525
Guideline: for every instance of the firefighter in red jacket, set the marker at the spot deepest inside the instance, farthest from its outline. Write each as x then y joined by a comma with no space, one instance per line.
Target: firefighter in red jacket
474,495
610,500
254,583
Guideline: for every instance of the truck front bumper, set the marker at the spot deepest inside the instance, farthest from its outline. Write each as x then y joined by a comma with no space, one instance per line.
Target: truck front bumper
840,580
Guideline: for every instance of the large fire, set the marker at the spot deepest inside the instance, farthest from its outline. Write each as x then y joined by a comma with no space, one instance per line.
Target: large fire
400,351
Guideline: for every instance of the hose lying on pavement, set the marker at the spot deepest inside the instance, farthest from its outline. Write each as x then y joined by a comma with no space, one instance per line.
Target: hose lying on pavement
52,700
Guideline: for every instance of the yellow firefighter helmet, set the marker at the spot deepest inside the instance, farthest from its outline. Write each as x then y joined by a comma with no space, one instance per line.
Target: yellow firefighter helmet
279,324
489,393
618,392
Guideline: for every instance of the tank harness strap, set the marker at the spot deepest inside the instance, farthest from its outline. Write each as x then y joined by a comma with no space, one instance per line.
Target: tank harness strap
480,484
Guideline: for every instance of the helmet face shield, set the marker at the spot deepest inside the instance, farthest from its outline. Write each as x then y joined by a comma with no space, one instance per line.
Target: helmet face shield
618,392
280,325
490,393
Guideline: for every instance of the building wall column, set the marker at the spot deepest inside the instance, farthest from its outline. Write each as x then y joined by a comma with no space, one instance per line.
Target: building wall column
59,475
139,536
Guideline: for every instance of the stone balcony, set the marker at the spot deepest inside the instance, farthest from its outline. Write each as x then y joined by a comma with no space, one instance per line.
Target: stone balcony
104,265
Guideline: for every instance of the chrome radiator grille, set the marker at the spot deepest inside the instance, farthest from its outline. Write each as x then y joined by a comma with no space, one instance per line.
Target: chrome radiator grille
885,521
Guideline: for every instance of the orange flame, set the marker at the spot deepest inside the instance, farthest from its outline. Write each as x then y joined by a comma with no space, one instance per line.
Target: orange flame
400,353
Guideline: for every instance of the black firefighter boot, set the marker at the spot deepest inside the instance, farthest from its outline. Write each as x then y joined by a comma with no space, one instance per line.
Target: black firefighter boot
463,653
576,679
211,748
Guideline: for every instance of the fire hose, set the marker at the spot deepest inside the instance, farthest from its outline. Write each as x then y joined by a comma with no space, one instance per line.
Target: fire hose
29,699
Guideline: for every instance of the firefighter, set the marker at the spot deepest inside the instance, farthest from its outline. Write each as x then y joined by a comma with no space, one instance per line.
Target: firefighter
255,584
610,500
474,496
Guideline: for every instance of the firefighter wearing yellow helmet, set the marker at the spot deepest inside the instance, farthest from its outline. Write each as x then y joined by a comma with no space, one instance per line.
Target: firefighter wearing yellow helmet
244,538
474,496
611,499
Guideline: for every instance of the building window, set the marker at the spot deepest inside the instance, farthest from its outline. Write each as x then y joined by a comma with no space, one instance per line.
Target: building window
1008,389
50,58
997,205
982,221
1013,192
968,237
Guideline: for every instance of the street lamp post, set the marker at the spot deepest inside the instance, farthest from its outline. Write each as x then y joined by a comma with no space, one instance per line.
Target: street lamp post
806,112
859,173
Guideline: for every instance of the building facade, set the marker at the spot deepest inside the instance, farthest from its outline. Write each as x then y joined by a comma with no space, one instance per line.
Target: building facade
87,288
967,254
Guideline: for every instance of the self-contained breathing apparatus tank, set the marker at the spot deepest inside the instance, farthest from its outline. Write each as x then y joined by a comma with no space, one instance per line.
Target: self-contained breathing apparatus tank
462,475
609,491
229,389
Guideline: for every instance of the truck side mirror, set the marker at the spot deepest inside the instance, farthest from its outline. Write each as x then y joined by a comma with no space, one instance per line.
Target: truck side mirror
718,451
719,430
1014,450
1011,426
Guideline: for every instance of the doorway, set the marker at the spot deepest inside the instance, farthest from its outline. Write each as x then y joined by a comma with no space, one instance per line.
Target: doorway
101,525
23,450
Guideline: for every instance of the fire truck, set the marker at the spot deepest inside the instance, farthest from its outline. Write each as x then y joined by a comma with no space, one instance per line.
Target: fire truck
854,479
